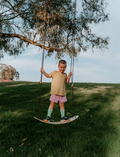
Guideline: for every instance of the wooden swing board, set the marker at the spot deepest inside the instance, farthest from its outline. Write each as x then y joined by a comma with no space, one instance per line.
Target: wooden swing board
69,120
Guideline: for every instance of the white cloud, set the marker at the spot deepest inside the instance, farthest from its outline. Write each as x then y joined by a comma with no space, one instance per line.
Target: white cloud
90,67
32,50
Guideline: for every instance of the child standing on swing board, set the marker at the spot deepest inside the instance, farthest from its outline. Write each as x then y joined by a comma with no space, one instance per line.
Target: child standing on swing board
58,89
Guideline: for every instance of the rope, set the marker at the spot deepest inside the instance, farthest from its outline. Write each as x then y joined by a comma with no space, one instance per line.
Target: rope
72,59
43,54
41,81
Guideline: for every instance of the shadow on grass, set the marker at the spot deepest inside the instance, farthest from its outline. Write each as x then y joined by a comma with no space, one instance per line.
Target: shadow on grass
91,136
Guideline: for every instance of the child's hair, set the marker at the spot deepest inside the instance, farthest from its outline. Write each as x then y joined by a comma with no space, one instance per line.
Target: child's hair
62,62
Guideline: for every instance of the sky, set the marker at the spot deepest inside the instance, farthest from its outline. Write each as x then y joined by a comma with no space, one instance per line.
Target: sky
97,67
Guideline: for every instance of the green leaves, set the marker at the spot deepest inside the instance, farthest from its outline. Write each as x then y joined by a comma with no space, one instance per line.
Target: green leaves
52,21
8,72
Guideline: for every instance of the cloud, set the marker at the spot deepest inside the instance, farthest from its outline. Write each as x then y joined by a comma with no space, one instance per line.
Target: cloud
32,50
89,67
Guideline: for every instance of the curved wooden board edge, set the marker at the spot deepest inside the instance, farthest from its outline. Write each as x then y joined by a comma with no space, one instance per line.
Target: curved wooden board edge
56,123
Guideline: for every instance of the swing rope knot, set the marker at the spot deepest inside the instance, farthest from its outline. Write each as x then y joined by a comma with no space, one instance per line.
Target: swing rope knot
40,81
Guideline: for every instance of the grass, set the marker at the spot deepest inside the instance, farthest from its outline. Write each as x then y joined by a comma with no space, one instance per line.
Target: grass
96,133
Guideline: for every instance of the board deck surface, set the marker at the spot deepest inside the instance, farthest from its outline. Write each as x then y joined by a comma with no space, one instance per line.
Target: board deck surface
71,119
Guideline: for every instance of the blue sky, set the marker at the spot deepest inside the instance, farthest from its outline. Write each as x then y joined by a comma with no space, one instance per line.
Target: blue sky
99,67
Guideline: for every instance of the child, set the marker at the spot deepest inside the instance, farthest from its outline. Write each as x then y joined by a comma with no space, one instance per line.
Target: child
58,89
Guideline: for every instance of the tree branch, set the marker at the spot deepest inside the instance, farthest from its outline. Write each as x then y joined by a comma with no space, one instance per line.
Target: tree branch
4,11
5,35
16,10
88,3
13,8
34,36
10,18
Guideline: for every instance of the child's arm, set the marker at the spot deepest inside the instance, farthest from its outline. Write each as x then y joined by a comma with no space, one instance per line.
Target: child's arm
68,78
46,75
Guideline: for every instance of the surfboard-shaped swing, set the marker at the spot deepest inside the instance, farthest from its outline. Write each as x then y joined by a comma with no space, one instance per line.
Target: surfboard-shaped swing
68,121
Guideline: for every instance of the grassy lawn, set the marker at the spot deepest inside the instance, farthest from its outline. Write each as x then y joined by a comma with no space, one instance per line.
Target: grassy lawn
96,133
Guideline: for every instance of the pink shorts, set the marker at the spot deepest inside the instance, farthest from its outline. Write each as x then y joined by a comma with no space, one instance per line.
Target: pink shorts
56,98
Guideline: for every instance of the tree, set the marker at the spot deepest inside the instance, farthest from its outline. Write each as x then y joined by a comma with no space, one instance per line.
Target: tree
24,22
8,72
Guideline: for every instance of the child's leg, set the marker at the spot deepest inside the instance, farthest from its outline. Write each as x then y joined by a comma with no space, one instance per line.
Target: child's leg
52,104
62,110
50,109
